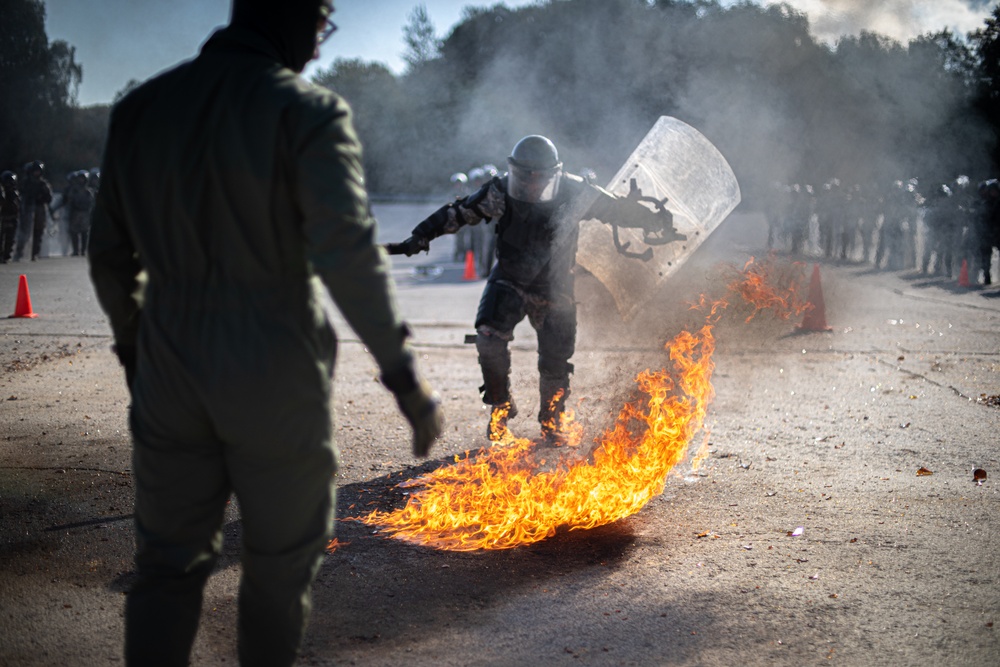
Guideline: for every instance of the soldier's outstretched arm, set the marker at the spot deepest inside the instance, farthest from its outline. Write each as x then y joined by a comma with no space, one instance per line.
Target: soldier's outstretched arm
484,204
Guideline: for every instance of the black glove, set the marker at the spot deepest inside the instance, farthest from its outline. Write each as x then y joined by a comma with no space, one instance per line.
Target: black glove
413,245
127,358
420,405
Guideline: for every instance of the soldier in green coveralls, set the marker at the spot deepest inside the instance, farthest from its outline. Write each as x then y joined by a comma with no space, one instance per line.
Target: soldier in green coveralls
232,194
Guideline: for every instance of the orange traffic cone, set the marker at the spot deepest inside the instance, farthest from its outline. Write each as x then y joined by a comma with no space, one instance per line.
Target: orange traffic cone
23,306
963,274
815,317
470,266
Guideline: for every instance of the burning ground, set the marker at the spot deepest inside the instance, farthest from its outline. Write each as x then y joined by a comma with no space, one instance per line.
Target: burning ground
518,492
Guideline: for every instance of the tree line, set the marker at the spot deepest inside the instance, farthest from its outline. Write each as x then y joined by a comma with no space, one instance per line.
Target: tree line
593,75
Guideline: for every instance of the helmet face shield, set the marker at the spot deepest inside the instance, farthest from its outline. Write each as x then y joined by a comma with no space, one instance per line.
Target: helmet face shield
534,186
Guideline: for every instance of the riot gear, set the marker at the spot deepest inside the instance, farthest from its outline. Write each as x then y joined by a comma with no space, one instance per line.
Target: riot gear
536,248
8,178
534,170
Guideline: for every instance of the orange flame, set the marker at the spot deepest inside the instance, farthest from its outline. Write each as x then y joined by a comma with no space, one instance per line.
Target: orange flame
511,495
771,286
499,433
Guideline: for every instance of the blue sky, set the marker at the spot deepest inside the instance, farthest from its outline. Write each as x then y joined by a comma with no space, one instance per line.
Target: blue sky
119,40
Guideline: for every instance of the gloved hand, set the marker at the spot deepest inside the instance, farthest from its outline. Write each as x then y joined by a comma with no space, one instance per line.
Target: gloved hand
420,405
127,358
415,244
422,408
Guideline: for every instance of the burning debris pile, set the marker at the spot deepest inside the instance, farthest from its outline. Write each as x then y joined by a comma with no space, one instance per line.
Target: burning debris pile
509,495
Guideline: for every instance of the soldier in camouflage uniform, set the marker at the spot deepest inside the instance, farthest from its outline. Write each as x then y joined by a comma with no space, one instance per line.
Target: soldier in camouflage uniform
36,195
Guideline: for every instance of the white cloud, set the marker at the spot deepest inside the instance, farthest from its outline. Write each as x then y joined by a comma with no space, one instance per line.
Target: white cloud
901,20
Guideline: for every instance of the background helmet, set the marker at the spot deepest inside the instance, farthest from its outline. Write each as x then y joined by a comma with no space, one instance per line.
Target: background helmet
534,170
32,167
8,178
458,178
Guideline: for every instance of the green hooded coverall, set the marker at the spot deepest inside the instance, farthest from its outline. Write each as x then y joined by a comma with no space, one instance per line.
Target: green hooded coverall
232,193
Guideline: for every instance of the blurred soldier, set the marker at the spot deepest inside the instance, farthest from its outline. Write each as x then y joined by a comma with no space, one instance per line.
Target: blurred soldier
870,206
915,215
460,190
79,201
988,226
533,276
232,197
966,243
10,209
36,195
829,216
895,221
776,208
938,221
799,218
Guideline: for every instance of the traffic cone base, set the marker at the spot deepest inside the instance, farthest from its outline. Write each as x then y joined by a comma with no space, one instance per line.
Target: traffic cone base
815,317
963,274
470,266
23,306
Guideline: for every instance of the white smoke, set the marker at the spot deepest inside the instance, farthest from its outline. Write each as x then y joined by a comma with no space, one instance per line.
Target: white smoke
902,20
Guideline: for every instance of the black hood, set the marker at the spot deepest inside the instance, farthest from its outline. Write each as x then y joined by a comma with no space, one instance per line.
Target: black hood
288,25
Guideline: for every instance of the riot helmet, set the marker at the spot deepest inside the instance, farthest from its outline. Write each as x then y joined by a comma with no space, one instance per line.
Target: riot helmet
490,170
8,178
35,168
534,170
991,189
459,184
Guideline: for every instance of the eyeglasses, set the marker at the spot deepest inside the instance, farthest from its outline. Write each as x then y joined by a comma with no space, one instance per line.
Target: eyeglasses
325,29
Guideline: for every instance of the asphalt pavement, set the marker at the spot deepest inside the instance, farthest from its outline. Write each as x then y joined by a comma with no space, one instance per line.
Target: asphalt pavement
835,519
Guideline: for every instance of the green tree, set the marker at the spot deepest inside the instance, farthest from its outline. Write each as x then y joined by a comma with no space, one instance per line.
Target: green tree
986,42
594,75
422,44
376,100
38,83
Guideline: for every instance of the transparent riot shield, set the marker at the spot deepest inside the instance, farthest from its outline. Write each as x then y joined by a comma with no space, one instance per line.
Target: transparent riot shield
676,162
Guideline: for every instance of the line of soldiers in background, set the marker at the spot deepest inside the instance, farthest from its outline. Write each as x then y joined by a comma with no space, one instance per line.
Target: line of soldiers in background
29,211
902,226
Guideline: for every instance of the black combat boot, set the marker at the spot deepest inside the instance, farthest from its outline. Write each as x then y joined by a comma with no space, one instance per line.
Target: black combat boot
553,392
494,361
